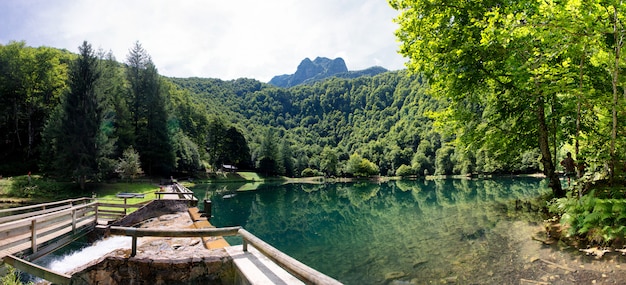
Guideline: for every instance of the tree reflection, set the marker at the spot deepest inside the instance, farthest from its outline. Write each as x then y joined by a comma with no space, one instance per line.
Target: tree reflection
358,232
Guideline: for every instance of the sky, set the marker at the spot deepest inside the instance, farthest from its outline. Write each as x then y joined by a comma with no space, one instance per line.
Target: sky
224,39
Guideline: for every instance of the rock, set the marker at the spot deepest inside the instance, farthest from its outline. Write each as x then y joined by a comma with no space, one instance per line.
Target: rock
394,275
400,282
598,252
419,263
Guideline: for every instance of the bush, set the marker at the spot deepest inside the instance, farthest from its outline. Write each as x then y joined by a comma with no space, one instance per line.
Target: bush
361,167
38,187
405,170
595,220
308,172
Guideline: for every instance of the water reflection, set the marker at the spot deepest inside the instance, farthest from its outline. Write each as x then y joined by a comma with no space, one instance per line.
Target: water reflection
367,233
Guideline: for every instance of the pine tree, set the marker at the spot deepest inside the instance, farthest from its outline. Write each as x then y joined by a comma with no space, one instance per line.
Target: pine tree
149,113
78,145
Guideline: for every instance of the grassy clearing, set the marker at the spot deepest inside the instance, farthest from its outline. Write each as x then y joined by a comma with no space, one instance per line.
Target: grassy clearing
5,185
110,190
252,176
19,190
106,193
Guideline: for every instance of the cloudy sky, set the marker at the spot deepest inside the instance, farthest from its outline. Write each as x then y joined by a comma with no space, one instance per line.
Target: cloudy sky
224,39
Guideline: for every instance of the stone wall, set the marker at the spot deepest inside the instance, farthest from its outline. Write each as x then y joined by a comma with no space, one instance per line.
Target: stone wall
214,269
160,260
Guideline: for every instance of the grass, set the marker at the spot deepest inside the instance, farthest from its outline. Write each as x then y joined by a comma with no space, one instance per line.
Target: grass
19,190
252,176
107,193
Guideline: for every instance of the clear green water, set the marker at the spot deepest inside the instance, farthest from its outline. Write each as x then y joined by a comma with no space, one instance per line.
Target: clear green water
391,233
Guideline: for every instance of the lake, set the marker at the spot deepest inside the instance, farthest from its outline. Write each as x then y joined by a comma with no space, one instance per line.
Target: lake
423,231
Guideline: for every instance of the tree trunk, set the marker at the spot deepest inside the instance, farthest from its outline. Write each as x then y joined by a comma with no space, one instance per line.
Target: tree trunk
546,158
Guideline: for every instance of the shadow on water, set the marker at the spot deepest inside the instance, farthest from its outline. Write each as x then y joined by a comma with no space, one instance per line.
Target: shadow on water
368,233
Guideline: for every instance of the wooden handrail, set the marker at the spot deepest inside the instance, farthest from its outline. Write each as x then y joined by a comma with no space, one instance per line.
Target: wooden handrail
144,232
29,220
39,271
140,232
44,205
293,266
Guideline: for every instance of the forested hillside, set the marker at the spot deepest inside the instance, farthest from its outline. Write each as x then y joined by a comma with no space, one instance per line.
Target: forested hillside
386,119
73,116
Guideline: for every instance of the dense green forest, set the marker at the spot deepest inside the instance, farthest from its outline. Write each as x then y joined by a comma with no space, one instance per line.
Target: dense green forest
71,116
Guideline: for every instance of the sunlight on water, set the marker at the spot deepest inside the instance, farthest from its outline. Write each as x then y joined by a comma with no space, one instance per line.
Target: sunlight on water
407,231
78,258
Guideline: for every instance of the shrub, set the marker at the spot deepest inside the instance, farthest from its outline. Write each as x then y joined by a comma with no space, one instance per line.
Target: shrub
308,172
38,187
598,221
405,170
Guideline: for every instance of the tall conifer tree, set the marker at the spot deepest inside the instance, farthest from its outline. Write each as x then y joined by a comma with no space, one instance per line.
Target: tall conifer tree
149,112
79,141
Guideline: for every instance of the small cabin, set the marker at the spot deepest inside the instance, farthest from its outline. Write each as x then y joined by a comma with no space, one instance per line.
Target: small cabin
229,168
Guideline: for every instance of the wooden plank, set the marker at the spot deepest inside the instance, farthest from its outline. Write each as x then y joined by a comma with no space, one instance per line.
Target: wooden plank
43,218
32,214
143,232
114,205
39,271
44,205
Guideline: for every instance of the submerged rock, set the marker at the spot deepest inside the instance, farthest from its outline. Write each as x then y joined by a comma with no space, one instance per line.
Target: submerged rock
478,234
394,275
419,263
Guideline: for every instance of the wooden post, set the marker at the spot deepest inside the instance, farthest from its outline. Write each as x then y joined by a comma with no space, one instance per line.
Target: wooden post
245,245
73,221
133,251
125,206
33,237
96,214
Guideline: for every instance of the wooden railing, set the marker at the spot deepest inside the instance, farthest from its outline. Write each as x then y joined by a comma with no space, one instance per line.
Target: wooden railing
31,231
114,211
28,227
39,271
291,265
139,232
18,213
177,189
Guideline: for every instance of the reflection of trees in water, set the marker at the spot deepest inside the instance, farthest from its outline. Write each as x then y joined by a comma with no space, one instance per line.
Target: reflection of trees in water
424,229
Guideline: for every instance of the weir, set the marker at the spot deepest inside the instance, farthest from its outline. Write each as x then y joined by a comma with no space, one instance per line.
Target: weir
28,233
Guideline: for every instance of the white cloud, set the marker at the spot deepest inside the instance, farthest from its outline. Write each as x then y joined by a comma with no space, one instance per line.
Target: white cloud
207,38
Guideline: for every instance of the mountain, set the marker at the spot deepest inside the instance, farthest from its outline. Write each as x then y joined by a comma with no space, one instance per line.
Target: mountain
319,69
